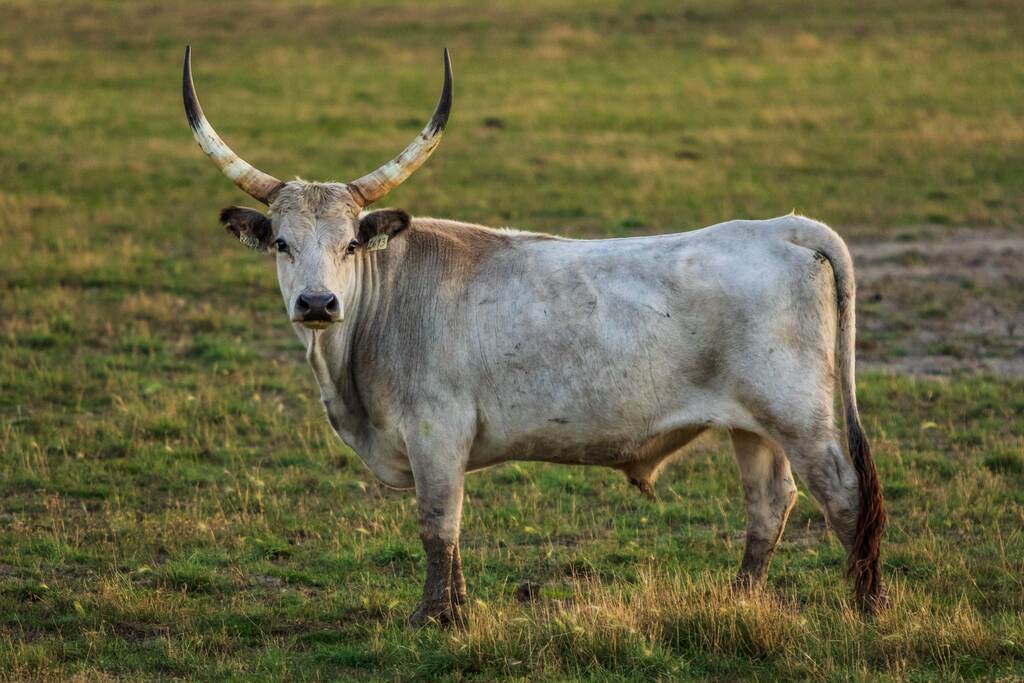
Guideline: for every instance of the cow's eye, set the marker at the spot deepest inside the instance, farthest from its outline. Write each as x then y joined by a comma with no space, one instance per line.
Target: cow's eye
351,248
281,245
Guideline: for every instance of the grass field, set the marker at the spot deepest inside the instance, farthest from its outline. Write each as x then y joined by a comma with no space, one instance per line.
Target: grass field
172,501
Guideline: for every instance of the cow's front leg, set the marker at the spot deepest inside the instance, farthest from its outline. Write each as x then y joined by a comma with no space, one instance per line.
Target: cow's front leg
439,498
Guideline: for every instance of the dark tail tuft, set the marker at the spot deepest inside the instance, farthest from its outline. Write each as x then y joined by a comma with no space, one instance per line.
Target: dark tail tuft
864,566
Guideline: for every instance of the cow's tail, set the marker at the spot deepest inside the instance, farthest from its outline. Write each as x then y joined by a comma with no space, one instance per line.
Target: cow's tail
863,562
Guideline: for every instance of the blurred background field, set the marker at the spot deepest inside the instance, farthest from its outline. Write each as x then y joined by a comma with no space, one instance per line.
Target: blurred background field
172,502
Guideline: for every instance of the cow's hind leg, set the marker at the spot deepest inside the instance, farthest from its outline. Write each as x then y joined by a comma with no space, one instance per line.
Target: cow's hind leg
821,465
769,492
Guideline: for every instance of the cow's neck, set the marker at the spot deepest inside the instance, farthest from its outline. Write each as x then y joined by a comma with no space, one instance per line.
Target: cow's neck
331,356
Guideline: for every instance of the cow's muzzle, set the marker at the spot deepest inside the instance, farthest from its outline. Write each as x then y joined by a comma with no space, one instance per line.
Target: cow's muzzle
317,309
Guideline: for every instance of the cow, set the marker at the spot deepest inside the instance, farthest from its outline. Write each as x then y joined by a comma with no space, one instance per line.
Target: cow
442,347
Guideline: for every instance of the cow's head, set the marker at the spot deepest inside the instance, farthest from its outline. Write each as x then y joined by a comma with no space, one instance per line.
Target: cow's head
314,228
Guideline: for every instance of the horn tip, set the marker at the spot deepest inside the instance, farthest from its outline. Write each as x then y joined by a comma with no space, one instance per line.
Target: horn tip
444,105
193,112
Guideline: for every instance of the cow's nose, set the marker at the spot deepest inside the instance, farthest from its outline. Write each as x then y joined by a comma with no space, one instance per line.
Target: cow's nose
317,307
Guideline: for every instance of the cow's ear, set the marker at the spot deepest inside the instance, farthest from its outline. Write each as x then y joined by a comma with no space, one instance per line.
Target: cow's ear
388,222
251,227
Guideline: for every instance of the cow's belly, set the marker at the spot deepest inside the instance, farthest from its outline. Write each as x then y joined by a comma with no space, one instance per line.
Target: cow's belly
579,393
604,450
623,434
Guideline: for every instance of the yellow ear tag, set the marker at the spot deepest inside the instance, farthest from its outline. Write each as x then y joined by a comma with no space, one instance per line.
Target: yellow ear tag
377,242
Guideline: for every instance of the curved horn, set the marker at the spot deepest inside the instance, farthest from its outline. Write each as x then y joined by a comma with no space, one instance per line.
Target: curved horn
373,186
249,178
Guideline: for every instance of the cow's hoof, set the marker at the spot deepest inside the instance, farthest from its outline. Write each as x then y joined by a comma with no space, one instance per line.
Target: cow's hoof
444,614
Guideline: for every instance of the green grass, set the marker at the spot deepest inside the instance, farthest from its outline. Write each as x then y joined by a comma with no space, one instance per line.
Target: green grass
172,503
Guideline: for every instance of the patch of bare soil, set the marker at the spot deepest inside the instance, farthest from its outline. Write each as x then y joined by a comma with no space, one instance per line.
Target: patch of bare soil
937,303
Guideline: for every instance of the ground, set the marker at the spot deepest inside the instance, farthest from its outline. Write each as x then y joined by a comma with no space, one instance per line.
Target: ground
172,501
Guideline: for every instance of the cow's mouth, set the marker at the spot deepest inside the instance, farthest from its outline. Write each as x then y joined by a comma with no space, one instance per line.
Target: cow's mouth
317,324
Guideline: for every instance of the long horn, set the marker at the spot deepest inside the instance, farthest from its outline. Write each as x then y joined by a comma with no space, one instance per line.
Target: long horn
249,178
373,186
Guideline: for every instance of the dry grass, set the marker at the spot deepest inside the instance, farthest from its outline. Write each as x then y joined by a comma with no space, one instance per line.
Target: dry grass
643,626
